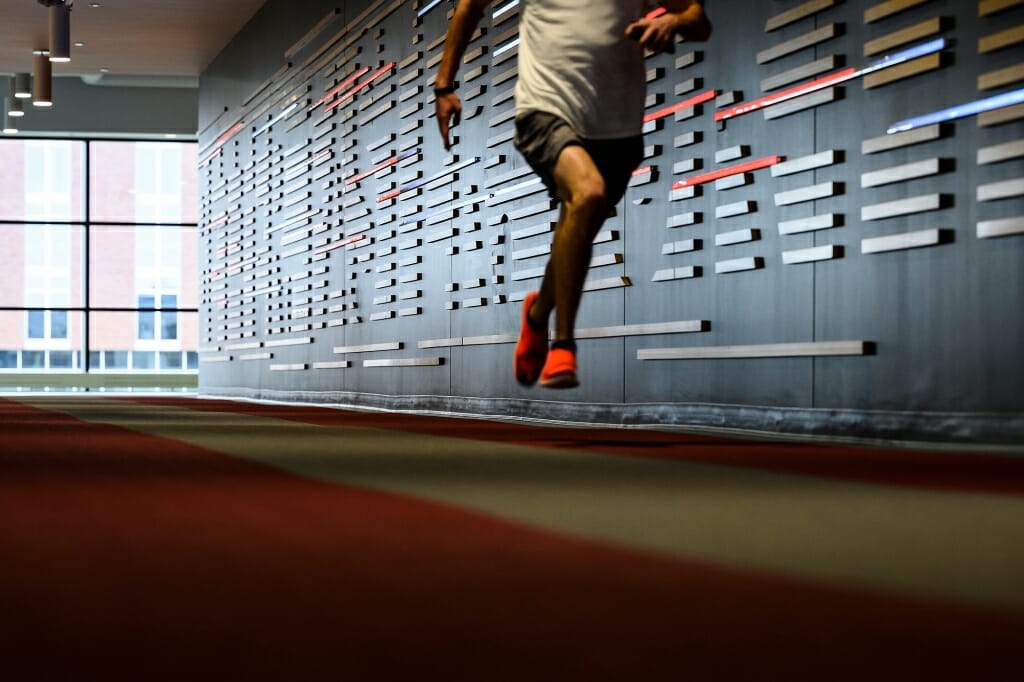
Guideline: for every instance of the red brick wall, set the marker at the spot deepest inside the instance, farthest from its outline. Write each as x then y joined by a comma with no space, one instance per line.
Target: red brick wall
12,245
112,177
12,169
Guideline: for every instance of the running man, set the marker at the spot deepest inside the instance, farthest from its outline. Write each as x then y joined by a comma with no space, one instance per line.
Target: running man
579,118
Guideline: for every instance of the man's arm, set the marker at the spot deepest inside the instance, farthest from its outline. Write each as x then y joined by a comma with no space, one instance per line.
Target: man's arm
447,105
685,18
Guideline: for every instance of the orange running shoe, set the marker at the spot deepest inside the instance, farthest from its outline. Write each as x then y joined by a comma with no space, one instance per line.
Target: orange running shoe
560,370
532,348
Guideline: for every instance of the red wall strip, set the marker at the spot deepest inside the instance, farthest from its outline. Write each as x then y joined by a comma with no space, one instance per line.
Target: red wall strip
359,87
227,135
685,104
769,100
379,167
210,157
341,86
231,248
726,172
338,245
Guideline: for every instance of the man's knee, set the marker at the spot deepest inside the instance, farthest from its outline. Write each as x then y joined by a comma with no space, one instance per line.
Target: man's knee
589,196
580,184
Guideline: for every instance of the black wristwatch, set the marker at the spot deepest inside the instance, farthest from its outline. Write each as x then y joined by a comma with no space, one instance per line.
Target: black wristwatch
445,90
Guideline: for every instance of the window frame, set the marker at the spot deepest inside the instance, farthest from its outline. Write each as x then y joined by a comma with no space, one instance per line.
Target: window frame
50,299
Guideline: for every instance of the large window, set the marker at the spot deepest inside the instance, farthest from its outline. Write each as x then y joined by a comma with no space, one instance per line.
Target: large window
98,257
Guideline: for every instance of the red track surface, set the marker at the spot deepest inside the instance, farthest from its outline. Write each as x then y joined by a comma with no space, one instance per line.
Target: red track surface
127,556
921,469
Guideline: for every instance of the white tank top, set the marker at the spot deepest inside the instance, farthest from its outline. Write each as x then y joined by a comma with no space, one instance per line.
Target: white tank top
576,62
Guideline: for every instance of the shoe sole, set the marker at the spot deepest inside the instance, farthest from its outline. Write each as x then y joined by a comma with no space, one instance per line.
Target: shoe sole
564,380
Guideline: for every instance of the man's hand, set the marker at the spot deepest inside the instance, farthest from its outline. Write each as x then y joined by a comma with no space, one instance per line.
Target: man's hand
447,105
656,35
683,17
448,108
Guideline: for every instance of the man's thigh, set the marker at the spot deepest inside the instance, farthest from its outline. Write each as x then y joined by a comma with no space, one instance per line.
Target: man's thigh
540,138
616,160
575,172
565,161
611,162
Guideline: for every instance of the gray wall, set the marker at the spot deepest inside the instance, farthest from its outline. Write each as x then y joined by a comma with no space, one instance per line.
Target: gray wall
430,291
142,108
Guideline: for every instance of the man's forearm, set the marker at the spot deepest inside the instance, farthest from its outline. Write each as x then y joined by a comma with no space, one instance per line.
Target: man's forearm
460,30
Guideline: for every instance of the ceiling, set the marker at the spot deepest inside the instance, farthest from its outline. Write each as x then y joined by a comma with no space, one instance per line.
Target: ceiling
127,37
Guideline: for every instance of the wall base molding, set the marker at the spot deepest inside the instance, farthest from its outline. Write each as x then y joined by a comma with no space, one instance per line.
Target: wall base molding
956,430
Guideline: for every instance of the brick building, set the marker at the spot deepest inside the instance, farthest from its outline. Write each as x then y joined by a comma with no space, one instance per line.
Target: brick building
137,212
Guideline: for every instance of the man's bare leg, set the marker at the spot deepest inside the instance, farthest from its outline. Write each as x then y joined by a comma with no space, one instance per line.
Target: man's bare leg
584,209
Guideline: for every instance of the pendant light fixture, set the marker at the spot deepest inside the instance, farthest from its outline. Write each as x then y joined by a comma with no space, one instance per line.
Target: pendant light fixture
23,85
14,107
60,33
42,90
9,126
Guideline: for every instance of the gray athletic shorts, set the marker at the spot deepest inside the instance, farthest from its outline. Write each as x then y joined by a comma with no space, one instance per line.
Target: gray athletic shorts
541,137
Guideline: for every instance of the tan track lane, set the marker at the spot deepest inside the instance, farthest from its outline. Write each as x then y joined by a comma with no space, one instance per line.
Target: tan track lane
955,546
